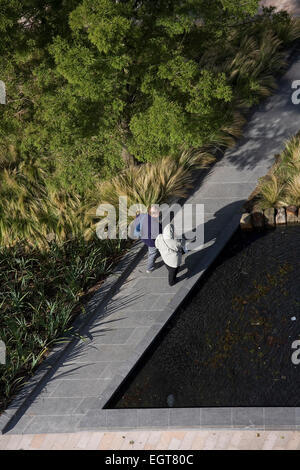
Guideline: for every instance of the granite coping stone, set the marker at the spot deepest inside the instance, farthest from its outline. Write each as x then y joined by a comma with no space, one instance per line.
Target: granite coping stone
253,418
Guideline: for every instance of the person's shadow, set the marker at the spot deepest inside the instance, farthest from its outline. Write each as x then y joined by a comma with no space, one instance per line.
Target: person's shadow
196,259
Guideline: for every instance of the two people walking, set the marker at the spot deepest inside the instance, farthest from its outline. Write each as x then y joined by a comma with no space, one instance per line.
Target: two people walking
148,228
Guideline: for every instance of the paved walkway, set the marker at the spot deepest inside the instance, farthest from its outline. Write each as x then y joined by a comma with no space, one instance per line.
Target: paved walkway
155,440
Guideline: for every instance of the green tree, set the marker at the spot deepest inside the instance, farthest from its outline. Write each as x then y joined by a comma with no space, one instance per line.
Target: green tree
93,85
132,80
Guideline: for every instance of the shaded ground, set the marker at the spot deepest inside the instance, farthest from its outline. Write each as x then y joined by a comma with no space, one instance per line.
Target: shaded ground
231,344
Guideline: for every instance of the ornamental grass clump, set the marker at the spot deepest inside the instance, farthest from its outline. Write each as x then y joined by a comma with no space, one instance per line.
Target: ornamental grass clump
282,186
155,183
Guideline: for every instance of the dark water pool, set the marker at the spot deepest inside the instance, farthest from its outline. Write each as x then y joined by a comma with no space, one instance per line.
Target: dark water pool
231,344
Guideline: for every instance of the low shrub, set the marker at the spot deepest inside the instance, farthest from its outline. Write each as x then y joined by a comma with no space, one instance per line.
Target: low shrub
40,294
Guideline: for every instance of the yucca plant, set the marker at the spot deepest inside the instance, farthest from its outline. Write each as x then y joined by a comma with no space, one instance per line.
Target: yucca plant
39,292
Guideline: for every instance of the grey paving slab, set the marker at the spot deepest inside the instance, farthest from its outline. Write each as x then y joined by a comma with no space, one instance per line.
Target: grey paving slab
23,424
279,418
53,424
126,318
147,339
216,417
85,370
297,416
54,406
227,190
159,273
213,227
153,418
104,352
185,417
107,335
122,418
114,368
47,389
213,206
231,174
248,418
135,302
128,312
141,332
87,403
154,284
95,419
80,388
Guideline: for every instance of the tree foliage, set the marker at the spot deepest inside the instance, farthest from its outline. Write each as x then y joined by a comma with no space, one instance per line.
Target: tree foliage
93,85
90,83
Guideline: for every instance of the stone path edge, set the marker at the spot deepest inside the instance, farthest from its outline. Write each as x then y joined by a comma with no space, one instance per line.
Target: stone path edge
107,289
245,418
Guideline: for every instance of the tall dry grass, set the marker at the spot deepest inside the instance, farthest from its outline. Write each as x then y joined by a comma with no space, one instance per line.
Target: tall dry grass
282,186
154,183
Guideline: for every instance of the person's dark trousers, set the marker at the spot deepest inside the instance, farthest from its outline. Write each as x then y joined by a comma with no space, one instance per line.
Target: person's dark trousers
172,275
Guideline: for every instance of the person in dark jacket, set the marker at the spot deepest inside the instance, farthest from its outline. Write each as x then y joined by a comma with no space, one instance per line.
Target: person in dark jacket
149,228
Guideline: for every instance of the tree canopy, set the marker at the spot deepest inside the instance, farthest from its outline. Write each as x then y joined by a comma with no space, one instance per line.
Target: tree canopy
94,84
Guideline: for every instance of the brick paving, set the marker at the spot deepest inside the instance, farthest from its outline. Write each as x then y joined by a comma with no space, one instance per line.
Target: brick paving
155,440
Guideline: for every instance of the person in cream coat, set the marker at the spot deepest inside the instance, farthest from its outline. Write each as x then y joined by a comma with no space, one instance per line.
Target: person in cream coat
170,249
